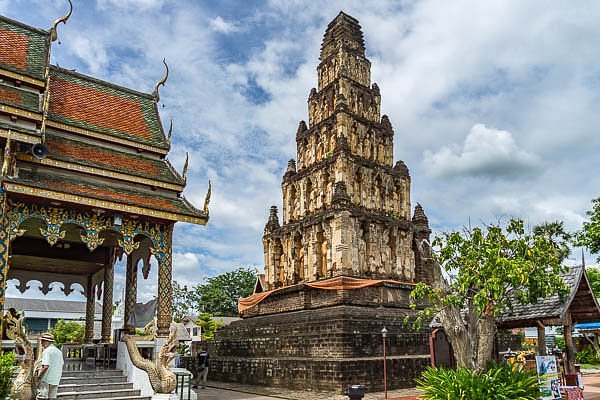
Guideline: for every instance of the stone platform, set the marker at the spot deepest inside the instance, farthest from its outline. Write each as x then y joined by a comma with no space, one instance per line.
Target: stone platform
323,340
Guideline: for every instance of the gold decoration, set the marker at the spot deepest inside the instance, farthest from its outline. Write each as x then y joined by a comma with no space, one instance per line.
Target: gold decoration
63,19
127,243
170,131
185,167
161,82
7,155
207,198
23,386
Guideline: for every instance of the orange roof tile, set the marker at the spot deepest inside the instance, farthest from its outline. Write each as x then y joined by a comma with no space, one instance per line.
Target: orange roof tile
13,48
103,157
97,108
10,95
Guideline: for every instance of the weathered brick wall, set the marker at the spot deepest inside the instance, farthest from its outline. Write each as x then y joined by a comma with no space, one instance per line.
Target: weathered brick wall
323,349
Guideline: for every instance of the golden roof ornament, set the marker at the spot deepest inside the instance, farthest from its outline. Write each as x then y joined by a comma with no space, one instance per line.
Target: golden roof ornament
170,131
63,19
185,167
161,82
207,198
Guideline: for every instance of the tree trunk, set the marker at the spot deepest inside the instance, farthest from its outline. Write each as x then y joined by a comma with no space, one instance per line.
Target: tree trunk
486,331
459,338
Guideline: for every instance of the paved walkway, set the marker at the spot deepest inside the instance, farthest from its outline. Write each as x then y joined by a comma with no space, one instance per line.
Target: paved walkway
234,391
228,390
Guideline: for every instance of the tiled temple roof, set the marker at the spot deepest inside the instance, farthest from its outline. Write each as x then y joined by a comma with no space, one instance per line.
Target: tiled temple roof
16,97
95,105
83,153
78,187
23,49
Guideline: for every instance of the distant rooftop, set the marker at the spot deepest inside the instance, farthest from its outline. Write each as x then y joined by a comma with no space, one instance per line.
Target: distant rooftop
47,305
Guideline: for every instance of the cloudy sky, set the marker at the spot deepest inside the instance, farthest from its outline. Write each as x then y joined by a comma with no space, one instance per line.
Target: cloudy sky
495,104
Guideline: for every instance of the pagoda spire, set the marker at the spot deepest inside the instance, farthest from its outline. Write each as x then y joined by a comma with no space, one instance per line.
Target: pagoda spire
343,31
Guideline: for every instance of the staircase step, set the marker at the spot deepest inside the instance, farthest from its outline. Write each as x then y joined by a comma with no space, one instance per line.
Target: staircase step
96,379
102,394
93,387
92,373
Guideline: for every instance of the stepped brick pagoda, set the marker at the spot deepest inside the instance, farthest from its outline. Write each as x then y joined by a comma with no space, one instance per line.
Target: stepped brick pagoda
343,262
84,179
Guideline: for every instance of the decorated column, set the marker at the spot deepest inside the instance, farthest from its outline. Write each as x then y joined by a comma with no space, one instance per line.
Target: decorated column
4,250
130,292
163,253
89,311
108,295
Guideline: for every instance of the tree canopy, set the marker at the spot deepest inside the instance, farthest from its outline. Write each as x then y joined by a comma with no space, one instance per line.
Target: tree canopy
589,235
481,272
218,296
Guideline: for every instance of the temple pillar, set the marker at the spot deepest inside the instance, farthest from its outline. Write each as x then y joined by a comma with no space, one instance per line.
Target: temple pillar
165,285
90,311
4,251
107,304
130,292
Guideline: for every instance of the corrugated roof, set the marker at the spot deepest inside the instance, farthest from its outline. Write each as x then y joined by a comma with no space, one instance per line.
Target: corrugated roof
549,307
49,305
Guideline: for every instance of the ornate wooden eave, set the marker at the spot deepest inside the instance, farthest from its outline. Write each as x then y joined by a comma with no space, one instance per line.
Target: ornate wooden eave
104,204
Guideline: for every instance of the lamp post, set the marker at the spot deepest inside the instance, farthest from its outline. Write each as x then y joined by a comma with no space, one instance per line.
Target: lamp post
384,333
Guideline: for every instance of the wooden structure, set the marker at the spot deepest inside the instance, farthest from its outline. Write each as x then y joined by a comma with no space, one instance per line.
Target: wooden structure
579,306
84,179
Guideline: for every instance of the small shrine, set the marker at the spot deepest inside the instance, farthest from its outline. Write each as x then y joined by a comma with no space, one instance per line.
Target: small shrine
85,180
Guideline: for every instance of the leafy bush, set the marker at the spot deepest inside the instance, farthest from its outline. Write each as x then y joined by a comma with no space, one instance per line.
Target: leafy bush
587,356
67,332
7,370
505,382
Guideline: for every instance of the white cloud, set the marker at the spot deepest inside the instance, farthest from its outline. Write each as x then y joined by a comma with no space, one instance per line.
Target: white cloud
93,53
218,24
485,152
129,4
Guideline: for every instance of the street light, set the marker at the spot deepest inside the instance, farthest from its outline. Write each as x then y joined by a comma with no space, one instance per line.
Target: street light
384,333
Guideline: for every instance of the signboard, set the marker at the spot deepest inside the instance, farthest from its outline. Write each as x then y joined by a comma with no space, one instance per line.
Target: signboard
547,370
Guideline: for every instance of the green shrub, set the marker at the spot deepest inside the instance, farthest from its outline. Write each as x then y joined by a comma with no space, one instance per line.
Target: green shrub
7,370
587,356
505,382
67,332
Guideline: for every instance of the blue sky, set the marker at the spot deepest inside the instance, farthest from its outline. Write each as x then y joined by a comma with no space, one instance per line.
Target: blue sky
495,105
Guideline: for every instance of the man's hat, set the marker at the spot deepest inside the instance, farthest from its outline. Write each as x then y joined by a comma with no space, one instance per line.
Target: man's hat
48,337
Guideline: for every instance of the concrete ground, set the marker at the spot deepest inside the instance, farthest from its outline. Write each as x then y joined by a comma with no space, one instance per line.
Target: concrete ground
232,391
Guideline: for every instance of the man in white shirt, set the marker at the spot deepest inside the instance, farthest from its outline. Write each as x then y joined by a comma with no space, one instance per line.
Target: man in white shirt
51,369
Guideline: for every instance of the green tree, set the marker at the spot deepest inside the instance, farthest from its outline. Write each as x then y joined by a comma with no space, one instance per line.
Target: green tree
593,275
219,295
479,273
7,371
67,332
209,326
589,235
182,301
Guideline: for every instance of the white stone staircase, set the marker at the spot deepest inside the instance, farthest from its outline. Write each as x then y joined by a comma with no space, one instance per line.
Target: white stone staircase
97,385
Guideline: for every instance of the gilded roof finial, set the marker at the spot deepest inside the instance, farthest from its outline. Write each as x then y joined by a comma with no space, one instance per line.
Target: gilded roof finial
207,198
170,131
161,82
185,167
63,19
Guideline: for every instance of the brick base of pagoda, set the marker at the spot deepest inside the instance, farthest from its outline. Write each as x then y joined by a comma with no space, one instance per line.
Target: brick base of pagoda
307,338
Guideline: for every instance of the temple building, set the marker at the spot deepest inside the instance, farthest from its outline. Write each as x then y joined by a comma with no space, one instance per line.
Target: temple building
340,265
85,180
